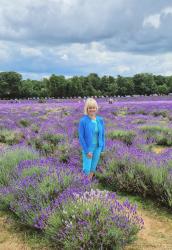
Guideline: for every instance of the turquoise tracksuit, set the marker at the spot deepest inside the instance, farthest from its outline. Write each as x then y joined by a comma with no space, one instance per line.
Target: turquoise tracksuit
92,139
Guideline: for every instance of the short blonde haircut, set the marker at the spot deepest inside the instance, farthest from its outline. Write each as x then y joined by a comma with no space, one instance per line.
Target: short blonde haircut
90,102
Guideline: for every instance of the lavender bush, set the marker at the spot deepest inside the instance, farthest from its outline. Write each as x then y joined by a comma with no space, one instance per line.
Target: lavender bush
10,158
38,183
94,220
135,171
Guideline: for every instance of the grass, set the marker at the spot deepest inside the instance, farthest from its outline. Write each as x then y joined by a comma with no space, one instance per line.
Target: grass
16,236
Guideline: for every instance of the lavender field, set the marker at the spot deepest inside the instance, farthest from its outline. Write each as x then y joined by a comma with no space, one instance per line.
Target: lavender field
41,179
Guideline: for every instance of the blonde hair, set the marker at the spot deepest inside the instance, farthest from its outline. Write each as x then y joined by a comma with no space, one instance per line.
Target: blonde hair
90,102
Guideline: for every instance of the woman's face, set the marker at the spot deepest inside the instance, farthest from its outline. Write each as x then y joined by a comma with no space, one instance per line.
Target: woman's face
91,110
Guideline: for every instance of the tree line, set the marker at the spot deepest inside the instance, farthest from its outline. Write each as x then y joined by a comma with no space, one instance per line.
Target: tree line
13,86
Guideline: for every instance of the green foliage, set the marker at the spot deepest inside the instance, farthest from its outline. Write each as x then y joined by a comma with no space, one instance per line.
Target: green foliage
53,138
5,201
124,86
161,135
122,135
144,84
9,136
24,122
83,224
63,152
33,170
142,112
47,148
153,129
163,113
135,177
34,88
139,121
47,143
120,112
48,185
35,128
10,159
162,89
51,183
12,86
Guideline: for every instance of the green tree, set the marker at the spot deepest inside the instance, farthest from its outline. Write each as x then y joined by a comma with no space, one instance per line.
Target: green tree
57,86
122,85
10,82
144,84
162,89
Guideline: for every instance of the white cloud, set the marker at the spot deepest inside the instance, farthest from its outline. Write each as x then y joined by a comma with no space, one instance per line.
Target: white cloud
167,11
153,21
30,52
122,69
65,57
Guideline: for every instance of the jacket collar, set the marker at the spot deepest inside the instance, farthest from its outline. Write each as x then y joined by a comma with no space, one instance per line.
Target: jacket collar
90,118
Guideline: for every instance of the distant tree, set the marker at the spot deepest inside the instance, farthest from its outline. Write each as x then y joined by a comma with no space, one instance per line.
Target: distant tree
112,87
160,80
138,81
4,89
10,82
94,80
75,86
130,86
12,85
57,85
144,84
162,89
26,88
104,84
122,84
30,88
149,84
169,83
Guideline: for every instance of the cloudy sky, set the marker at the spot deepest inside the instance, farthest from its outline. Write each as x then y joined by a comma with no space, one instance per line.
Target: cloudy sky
78,37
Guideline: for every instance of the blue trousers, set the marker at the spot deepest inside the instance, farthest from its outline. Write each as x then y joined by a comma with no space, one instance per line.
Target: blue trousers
90,164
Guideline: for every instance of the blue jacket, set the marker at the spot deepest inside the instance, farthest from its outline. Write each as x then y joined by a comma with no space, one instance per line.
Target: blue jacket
86,130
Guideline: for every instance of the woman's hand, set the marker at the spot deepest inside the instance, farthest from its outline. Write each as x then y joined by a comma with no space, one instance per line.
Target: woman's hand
89,155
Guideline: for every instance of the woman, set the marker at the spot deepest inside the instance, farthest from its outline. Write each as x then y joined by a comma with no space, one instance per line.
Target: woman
91,136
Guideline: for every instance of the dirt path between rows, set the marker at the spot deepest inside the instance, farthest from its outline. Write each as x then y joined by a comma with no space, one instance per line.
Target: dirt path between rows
9,239
156,234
